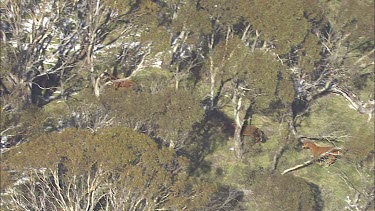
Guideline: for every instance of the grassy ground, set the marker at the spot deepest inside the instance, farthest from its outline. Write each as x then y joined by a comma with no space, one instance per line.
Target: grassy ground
330,116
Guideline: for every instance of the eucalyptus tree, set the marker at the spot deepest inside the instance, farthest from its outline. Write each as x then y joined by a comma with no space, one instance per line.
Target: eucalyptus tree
43,43
168,115
176,37
113,169
48,49
238,62
335,57
36,58
255,80
223,15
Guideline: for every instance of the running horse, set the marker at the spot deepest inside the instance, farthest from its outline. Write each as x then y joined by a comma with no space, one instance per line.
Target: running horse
116,82
317,151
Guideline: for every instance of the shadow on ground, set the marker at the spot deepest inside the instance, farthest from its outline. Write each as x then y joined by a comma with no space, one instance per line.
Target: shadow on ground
207,136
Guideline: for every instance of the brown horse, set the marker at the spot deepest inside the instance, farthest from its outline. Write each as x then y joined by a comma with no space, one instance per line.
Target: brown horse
254,133
319,150
116,82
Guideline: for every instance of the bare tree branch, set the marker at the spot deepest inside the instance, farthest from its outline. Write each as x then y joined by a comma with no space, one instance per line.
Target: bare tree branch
355,102
307,163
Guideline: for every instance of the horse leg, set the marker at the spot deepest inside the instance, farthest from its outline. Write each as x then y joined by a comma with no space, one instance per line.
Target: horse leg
332,159
322,160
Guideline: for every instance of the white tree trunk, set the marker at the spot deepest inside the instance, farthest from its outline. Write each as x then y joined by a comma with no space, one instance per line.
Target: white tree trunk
237,137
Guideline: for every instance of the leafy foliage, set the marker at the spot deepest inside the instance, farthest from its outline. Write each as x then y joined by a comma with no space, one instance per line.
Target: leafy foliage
116,163
283,22
169,114
274,64
276,192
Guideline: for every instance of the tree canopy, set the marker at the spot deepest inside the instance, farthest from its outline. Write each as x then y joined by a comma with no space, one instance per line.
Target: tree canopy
116,168
166,104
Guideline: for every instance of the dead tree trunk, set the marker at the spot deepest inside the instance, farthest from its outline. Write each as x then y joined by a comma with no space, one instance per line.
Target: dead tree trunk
355,102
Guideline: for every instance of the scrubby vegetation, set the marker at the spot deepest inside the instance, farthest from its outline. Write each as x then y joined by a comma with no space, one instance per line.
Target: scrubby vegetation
147,105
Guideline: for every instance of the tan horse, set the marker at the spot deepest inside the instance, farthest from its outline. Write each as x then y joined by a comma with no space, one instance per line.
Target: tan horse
319,150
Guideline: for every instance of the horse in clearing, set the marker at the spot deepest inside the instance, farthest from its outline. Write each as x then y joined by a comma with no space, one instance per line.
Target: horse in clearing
319,150
254,133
